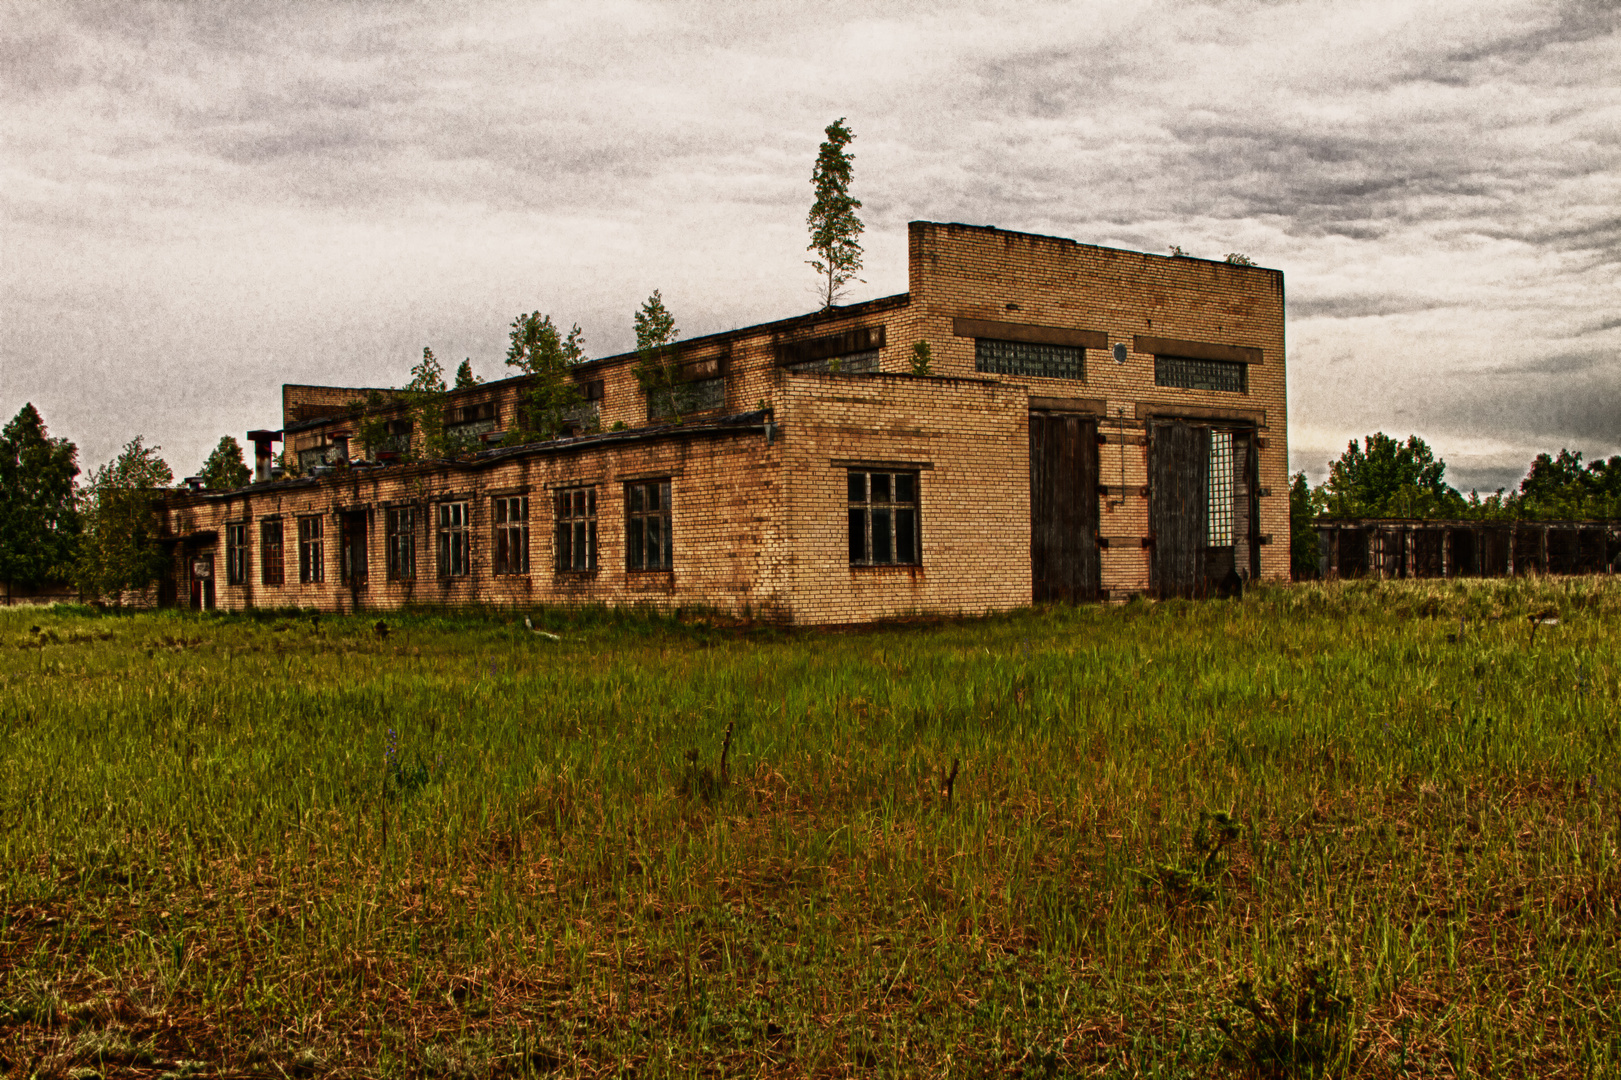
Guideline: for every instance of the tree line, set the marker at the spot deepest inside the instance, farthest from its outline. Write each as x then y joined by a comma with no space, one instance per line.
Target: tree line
1387,478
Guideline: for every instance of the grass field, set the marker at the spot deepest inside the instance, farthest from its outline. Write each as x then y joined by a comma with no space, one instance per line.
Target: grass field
1346,830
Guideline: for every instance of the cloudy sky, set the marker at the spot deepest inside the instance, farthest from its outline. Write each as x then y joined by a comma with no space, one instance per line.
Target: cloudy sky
203,201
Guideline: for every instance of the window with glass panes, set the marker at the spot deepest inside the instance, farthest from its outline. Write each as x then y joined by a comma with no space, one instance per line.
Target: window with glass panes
236,554
399,542
311,551
647,525
453,541
271,569
576,547
883,518
512,535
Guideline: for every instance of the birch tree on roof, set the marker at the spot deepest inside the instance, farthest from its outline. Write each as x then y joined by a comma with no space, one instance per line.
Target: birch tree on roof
835,231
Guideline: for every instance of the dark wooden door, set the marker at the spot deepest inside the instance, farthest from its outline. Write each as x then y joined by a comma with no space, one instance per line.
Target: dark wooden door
1064,562
1178,490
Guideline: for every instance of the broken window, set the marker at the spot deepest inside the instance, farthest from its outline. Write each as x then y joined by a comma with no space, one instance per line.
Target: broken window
236,554
647,523
1219,519
453,540
270,553
311,561
399,540
1187,373
856,363
883,518
1030,359
512,535
700,395
576,547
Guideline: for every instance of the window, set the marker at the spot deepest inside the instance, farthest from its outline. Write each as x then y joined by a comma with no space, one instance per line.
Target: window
311,565
512,535
699,395
577,530
236,554
1220,514
858,363
270,555
399,538
1029,358
883,518
453,539
1189,374
647,523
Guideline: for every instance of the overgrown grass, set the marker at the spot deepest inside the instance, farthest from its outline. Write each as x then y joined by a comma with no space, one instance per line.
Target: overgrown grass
1313,833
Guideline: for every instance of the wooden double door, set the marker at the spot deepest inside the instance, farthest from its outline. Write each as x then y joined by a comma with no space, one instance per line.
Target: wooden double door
1202,508
1064,564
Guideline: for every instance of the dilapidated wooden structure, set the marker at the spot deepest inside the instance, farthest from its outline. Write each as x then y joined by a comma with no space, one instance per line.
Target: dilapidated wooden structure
1411,548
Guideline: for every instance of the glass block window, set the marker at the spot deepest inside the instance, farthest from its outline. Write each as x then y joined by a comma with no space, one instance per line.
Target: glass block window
270,552
861,363
454,541
1028,358
512,535
1220,514
700,395
576,546
400,543
647,524
883,518
1188,374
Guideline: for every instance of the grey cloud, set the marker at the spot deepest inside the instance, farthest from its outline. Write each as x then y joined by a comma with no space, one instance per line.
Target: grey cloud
1360,305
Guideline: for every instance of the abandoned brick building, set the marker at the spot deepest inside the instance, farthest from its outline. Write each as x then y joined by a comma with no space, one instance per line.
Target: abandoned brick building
1095,423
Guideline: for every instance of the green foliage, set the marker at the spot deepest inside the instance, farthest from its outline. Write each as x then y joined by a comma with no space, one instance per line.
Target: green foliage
424,398
1386,478
118,551
835,231
1178,253
551,398
1236,258
1304,506
225,470
39,519
465,379
658,358
920,358
372,414
1298,1024
1561,487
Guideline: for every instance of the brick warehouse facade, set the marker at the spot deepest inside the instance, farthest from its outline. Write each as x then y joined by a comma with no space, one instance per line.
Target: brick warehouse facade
1095,423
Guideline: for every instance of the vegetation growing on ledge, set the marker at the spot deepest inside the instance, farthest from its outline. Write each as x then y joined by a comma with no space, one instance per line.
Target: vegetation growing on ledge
1359,829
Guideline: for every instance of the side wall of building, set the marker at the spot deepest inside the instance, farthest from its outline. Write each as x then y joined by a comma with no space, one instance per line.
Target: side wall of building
967,442
726,500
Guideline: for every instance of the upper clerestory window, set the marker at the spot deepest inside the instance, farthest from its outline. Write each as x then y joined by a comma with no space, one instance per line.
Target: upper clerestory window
1029,359
1186,373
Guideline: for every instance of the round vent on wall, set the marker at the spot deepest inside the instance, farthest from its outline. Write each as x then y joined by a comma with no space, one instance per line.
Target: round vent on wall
1120,352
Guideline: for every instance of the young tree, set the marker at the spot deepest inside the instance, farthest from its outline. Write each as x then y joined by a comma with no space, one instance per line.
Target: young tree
1304,506
657,357
550,396
225,470
118,551
465,379
39,519
835,231
424,398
